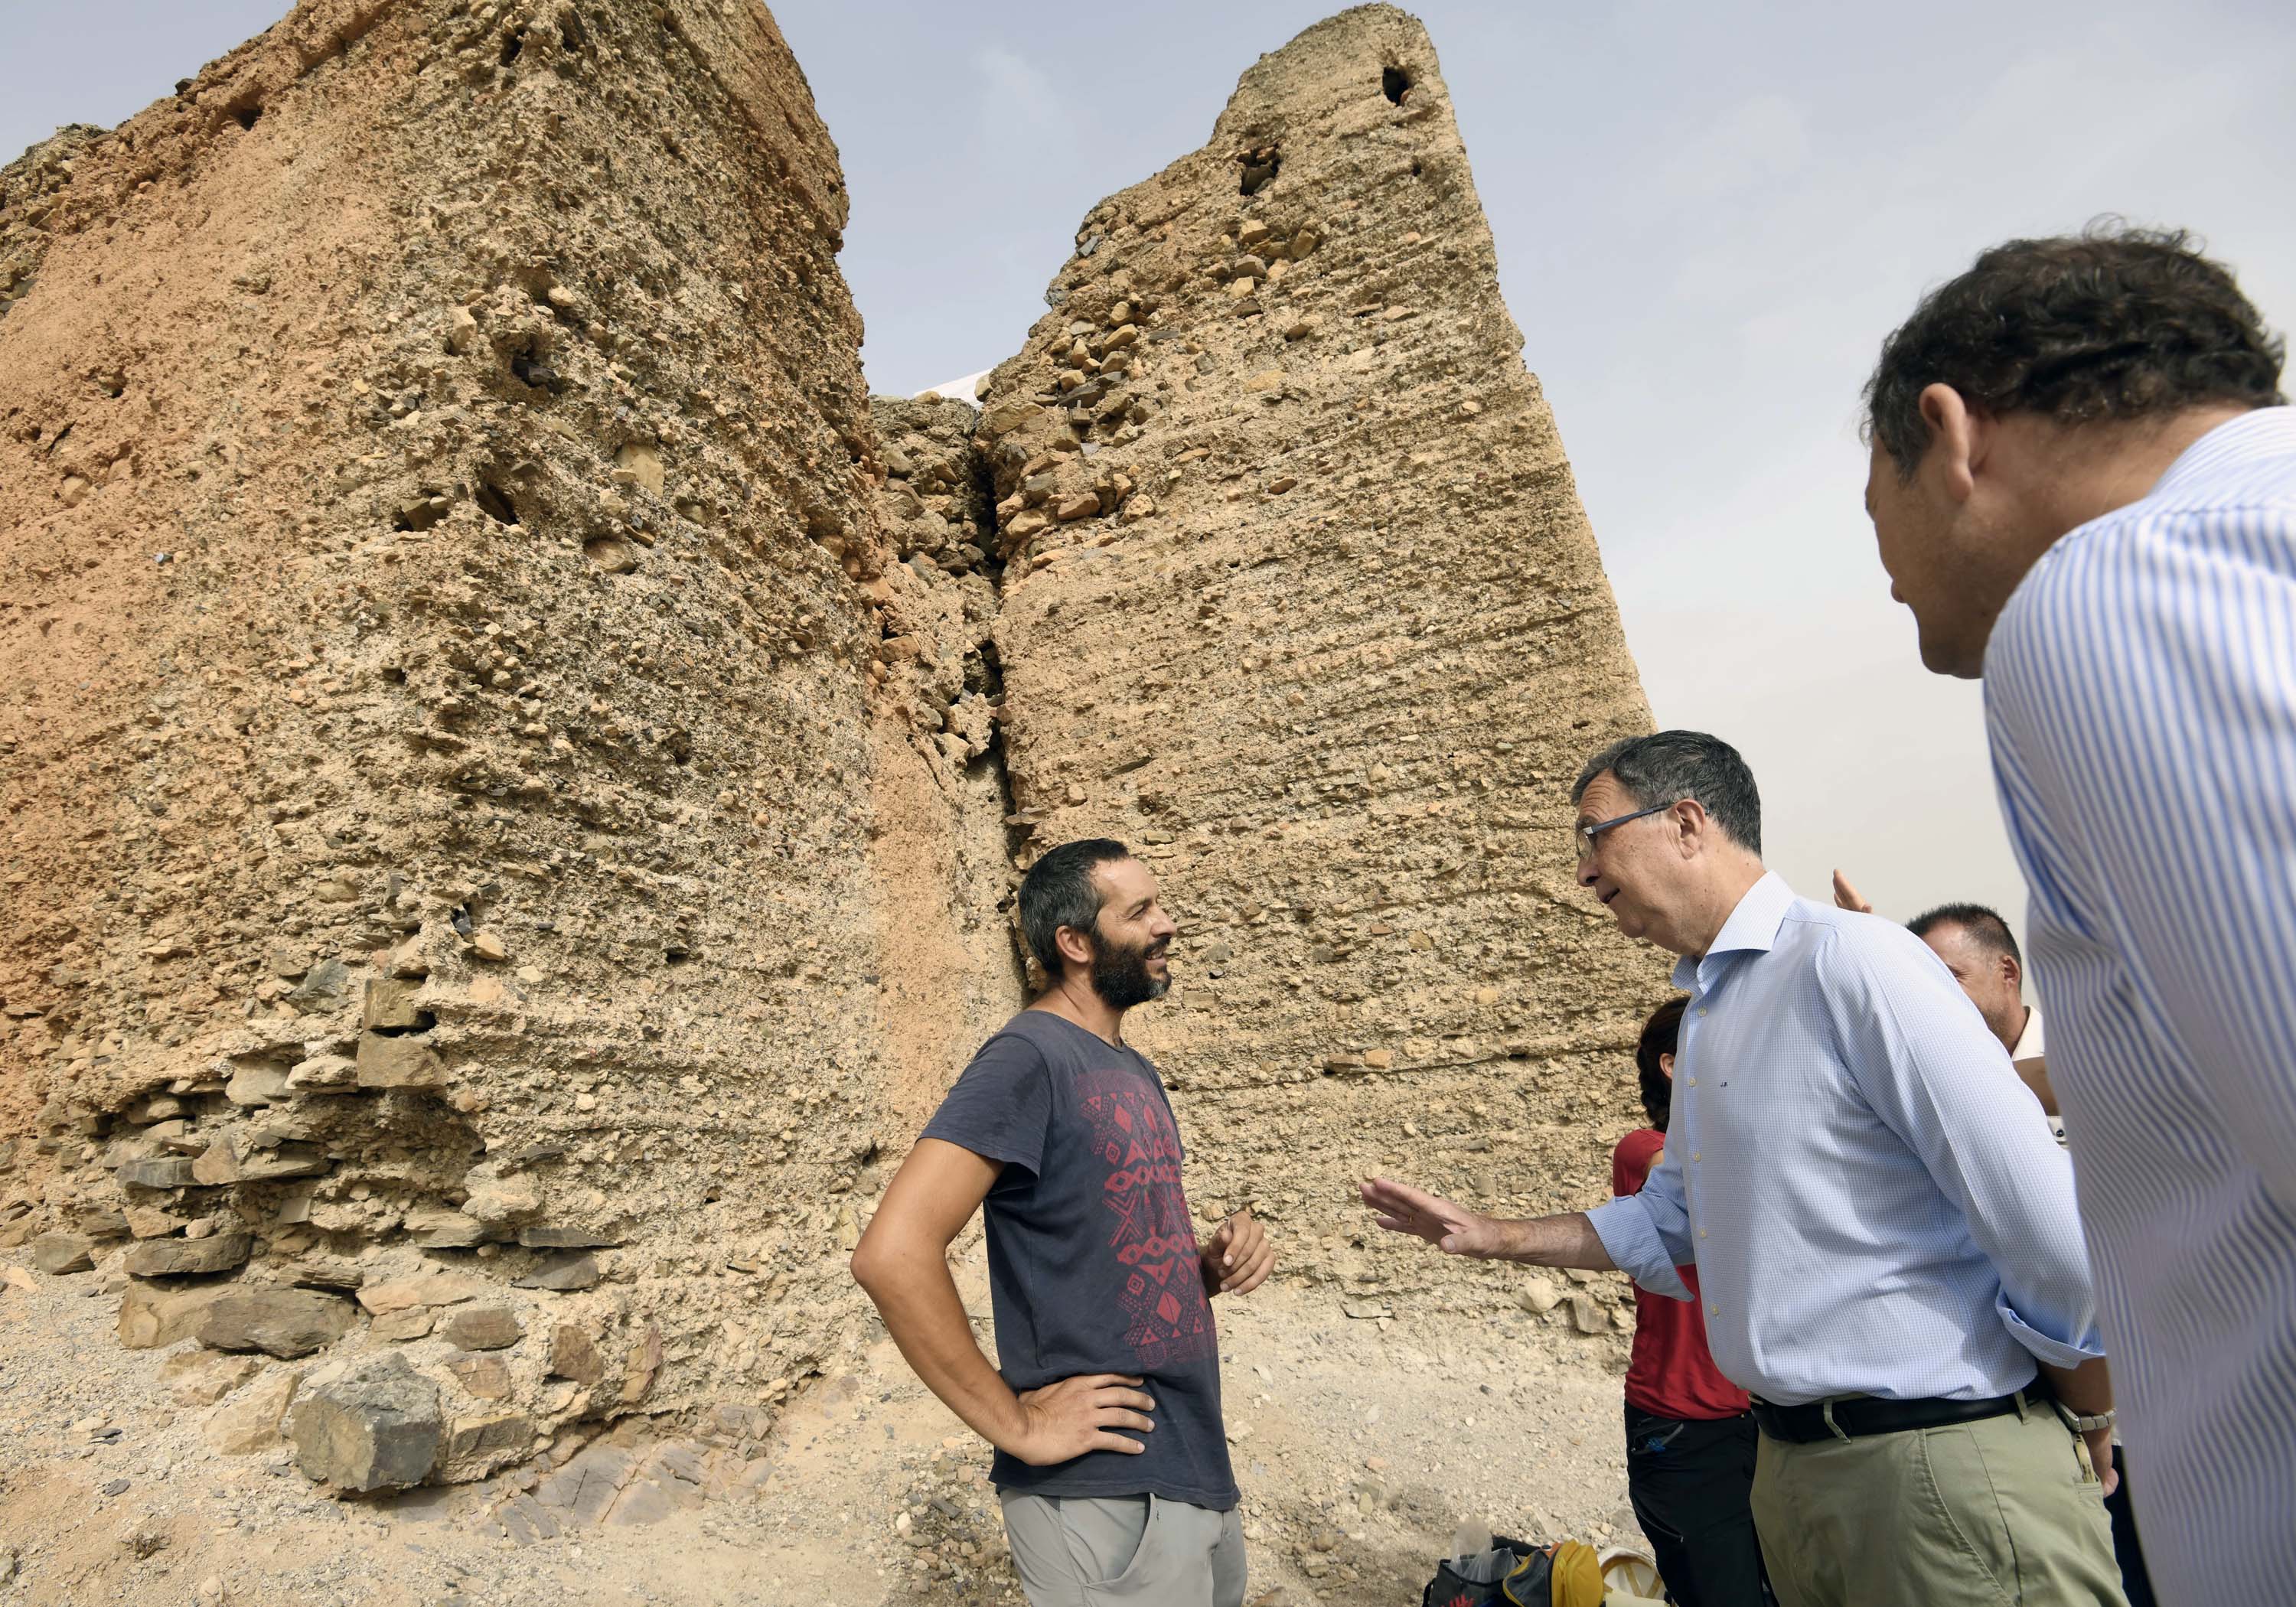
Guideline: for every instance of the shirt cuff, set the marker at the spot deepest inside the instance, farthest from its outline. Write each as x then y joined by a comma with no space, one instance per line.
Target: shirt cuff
2056,1352
1625,1227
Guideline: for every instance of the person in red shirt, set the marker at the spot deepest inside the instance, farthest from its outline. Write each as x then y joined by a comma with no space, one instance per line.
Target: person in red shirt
1690,1438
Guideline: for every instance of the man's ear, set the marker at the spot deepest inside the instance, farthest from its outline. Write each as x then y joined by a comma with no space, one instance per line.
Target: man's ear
1692,826
1073,945
2012,972
1958,440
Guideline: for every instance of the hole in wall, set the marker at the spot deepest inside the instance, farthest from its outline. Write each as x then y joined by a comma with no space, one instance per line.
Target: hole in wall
514,42
246,116
495,502
424,1021
572,33
1394,83
532,367
1260,166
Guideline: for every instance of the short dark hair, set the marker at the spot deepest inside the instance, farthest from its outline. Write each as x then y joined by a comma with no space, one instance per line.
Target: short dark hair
1058,891
1660,1034
1984,925
1669,766
2112,322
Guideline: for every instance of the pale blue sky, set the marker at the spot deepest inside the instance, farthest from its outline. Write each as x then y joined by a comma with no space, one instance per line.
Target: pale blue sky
1706,219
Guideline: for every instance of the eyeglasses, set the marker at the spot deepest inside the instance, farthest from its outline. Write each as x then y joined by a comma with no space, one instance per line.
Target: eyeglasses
1584,833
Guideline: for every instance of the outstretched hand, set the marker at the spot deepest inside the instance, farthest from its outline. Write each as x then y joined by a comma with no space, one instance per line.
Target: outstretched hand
1848,897
1452,1229
1239,1258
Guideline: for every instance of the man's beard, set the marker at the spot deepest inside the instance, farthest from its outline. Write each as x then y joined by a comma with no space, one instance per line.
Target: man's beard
1119,976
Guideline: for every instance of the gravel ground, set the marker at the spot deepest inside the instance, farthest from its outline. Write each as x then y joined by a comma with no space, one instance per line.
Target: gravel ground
1360,1445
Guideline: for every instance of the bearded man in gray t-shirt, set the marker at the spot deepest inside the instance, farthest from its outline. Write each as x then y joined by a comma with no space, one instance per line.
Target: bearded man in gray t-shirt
1112,1458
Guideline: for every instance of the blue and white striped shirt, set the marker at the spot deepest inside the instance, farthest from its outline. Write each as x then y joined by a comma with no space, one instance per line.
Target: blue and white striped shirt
1874,1201
2140,690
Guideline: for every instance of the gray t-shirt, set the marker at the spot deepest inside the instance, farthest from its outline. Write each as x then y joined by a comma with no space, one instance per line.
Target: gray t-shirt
1092,1261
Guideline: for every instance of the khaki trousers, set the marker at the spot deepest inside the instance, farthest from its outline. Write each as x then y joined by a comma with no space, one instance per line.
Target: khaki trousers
2003,1512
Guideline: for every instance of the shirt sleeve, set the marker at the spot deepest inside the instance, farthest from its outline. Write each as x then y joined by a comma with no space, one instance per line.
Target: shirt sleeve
1934,1073
1002,1105
1630,1161
2144,717
1647,1234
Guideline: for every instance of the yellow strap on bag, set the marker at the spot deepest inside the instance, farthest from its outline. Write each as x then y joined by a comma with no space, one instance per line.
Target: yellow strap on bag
1574,1577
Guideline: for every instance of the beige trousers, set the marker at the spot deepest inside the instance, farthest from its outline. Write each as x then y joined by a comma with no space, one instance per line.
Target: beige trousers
1077,1551
2004,1512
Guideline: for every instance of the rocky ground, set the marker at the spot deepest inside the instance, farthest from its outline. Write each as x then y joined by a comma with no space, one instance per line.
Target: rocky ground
1361,1442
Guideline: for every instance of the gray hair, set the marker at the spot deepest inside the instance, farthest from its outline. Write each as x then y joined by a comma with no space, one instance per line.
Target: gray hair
1667,767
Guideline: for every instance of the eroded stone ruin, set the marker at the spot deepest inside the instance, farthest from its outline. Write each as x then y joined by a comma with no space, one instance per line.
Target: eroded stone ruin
516,766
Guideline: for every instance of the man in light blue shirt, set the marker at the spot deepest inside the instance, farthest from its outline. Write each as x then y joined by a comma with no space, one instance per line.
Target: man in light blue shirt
2083,483
1883,1228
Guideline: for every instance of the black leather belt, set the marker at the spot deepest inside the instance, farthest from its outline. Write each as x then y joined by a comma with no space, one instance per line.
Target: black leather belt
1856,1416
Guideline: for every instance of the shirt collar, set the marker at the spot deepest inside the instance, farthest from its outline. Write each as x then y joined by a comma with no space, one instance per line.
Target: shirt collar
2262,432
1753,924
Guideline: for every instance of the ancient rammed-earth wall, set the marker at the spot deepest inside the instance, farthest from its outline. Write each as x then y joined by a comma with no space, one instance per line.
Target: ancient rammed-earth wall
515,768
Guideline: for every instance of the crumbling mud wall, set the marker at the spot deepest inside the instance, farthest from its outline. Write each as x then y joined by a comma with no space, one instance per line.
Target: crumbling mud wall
437,498
1302,599
948,964
515,768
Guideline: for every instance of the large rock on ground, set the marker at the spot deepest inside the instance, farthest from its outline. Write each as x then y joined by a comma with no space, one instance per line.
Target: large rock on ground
249,1422
165,1258
284,1323
366,1426
62,1252
155,1315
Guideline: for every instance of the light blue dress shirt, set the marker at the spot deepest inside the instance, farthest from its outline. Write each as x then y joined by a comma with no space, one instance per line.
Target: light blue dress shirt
1873,1199
2140,689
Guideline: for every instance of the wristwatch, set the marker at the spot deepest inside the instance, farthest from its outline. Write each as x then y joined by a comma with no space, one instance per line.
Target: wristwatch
2090,1425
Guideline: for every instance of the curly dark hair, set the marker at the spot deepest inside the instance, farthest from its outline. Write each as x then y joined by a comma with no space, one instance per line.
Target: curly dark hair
2113,323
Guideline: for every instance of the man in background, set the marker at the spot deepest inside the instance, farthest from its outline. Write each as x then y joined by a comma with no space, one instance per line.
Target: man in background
1979,948
1690,1434
2083,484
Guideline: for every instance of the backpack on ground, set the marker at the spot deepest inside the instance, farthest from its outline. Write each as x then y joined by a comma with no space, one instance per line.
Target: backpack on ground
1515,1573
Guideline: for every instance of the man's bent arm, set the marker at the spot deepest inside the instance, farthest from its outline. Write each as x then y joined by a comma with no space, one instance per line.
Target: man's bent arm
902,1262
2086,1391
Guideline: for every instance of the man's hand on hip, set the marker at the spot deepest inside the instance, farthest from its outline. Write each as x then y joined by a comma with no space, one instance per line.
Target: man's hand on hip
1239,1258
1062,1420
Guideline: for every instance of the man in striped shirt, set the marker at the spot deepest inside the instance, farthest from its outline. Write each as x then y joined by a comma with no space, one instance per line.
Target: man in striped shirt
2084,487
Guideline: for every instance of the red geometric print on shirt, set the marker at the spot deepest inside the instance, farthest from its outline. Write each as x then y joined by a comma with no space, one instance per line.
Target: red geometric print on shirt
1168,1320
